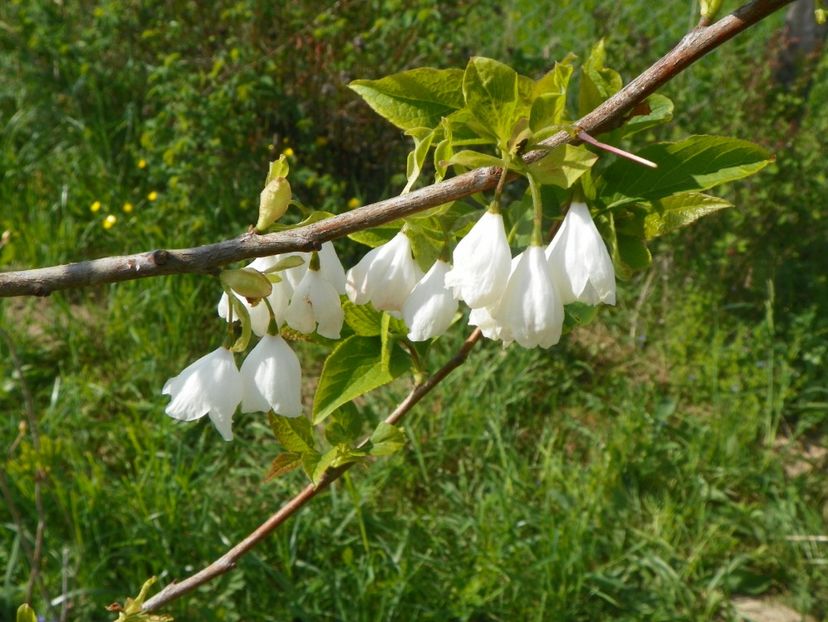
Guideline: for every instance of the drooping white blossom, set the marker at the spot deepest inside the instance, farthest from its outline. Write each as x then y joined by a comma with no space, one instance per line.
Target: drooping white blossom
272,378
385,276
315,305
430,308
531,310
331,268
579,261
481,263
210,386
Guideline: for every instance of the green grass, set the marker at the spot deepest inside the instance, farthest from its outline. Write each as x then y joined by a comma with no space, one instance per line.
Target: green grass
645,476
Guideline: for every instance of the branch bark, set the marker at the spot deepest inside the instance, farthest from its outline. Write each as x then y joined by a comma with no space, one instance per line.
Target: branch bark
209,258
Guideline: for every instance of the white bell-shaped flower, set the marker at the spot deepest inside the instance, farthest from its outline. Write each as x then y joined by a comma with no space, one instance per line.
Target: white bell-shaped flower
272,378
315,305
210,386
578,259
531,310
385,276
430,308
481,263
331,268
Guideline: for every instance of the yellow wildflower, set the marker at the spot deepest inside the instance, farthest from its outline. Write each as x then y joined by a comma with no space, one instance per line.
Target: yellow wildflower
354,202
142,163
110,221
95,207
152,196
288,152
127,208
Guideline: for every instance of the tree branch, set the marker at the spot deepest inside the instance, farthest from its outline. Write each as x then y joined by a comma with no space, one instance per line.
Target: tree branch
228,561
209,258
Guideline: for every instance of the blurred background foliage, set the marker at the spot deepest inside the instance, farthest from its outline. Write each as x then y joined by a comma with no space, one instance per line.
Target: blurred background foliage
658,464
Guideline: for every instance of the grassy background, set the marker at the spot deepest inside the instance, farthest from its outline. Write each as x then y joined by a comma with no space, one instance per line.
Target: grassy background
652,467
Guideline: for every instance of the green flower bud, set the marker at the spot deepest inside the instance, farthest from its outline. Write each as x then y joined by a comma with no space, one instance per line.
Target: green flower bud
273,202
247,282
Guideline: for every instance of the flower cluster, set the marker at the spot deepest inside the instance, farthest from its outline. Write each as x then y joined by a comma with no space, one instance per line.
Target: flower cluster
528,309
306,297
518,299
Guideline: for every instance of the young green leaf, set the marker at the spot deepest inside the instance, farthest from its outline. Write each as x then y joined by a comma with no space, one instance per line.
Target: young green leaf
490,90
293,433
598,83
549,96
415,98
563,165
679,211
386,440
654,110
364,320
423,137
695,163
283,463
344,426
352,369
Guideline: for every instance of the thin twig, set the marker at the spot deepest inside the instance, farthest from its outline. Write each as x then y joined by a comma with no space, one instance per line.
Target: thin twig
209,258
229,560
615,150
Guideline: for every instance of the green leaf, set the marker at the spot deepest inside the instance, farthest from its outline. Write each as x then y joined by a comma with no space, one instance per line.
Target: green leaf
578,314
325,461
415,98
423,137
244,317
293,433
344,426
473,159
315,216
278,168
696,163
679,211
563,165
490,90
386,440
549,96
654,110
375,236
26,614
353,368
364,320
131,611
633,254
283,463
598,83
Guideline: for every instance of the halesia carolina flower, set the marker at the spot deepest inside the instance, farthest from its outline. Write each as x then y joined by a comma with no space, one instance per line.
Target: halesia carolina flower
578,259
315,304
481,263
272,378
430,308
531,310
210,386
331,268
385,276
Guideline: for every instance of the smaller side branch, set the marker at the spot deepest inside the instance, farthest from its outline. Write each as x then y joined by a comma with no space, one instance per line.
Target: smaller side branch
229,560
